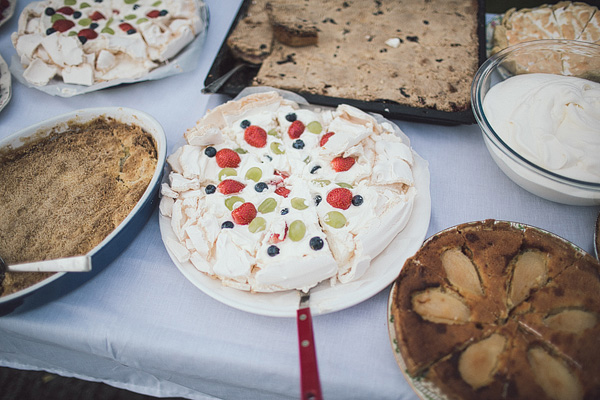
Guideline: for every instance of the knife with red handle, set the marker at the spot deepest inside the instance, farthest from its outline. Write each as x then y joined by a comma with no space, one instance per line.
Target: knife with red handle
310,383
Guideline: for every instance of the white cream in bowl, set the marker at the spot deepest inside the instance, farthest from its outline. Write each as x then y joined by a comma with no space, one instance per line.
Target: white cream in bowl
551,120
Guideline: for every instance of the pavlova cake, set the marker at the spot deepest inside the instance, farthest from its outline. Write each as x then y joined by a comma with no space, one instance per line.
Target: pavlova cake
269,195
86,42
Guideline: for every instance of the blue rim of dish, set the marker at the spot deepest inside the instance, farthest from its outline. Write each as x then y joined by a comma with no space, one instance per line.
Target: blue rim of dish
477,100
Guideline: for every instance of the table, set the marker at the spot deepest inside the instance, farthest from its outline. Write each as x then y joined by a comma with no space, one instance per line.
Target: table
142,326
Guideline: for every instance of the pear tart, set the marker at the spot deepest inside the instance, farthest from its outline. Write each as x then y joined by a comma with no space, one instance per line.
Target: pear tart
497,310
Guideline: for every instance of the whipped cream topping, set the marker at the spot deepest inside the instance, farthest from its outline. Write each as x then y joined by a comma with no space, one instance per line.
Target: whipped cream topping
551,120
90,42
314,217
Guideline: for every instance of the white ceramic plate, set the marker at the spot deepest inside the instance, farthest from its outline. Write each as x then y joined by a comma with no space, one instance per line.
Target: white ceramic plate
8,13
325,298
5,84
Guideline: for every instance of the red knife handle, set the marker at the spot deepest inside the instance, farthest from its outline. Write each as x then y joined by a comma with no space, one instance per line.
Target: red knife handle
309,372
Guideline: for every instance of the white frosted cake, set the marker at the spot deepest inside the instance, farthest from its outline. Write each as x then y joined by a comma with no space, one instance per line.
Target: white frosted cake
268,195
91,41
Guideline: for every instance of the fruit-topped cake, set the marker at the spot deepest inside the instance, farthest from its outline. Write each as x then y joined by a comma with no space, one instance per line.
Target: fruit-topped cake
269,195
87,42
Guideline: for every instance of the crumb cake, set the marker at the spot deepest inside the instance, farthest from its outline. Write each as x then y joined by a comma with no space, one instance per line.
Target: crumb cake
420,54
67,191
268,195
497,310
84,43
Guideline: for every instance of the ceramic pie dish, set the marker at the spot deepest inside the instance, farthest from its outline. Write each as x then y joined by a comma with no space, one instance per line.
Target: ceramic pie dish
113,244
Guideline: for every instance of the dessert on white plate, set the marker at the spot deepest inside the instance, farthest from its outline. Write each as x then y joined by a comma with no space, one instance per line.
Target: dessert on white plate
270,195
87,42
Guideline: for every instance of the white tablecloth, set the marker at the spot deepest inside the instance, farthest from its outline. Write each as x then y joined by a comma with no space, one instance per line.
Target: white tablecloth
141,325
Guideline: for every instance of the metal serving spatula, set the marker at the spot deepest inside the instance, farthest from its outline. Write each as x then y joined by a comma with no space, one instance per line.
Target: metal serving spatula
68,264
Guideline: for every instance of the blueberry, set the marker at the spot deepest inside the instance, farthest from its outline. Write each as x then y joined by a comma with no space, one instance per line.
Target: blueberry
273,250
227,225
268,157
291,117
136,6
131,31
77,14
210,189
318,199
316,243
49,11
163,13
50,31
245,123
261,186
285,211
314,169
357,200
93,25
82,39
210,151
298,144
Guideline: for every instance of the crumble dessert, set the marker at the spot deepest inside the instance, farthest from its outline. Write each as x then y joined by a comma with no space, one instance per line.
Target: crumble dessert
64,193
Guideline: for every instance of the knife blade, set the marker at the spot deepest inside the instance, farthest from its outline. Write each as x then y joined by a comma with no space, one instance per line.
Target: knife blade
310,384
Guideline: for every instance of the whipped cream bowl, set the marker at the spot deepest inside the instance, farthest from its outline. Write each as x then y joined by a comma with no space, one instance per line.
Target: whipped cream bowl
538,106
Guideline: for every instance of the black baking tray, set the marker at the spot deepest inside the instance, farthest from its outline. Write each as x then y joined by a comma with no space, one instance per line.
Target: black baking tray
225,61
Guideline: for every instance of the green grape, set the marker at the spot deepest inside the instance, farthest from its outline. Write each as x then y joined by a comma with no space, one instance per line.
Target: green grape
344,185
70,2
141,20
232,201
298,203
239,150
314,127
84,5
276,148
129,17
273,132
108,30
297,230
227,172
335,219
258,224
130,1
321,182
56,17
267,206
254,173
85,22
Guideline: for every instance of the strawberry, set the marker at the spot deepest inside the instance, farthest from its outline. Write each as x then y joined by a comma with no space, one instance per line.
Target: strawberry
255,136
230,186
277,238
282,191
340,164
125,27
65,10
153,14
340,198
296,129
282,174
244,214
227,158
62,25
87,34
96,16
325,138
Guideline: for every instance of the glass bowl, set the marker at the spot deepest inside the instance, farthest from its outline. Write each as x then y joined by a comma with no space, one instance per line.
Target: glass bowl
559,57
